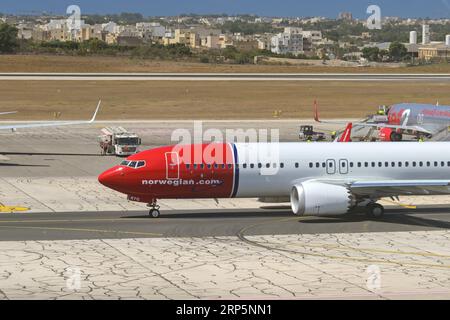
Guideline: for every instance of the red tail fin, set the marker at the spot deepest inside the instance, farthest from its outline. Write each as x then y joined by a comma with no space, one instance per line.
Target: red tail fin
345,137
316,111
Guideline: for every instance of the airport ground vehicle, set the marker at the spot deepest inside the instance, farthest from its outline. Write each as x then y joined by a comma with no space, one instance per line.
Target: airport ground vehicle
307,133
317,178
118,141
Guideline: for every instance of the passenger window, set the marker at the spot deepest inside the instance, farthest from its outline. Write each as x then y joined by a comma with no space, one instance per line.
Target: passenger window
223,165
324,164
366,164
351,164
343,164
244,166
317,165
420,164
216,166
386,164
259,165
373,164
448,163
282,165
414,163
330,164
359,164
267,165
428,163
229,166
252,165
393,164
442,163
296,164
399,164
209,166
310,164
380,164
435,164
406,164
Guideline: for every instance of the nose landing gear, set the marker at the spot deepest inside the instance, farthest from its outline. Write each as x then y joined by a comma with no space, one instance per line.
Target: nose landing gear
154,209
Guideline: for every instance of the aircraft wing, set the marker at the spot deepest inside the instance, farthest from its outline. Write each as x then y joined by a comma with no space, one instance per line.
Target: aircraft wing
380,125
395,127
386,188
50,124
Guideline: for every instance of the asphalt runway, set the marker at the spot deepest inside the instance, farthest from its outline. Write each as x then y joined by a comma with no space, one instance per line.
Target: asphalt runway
223,77
270,220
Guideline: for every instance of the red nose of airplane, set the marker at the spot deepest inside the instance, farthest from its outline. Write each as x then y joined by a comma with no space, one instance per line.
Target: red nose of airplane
112,178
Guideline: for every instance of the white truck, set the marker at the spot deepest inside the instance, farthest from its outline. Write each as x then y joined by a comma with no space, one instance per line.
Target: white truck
118,141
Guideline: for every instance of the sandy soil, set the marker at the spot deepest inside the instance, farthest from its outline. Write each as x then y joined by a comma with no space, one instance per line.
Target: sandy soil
39,100
49,63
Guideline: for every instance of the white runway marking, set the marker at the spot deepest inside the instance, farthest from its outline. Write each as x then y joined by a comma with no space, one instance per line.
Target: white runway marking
220,77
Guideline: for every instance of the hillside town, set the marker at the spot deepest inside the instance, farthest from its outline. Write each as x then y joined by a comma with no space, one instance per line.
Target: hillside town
255,38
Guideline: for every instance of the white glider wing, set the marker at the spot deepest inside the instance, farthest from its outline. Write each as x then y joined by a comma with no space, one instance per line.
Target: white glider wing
50,124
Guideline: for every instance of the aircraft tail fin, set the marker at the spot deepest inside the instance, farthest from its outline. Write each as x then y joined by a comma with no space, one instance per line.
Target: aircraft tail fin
346,135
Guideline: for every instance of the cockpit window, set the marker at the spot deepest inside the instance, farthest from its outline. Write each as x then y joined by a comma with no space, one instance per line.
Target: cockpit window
133,164
140,164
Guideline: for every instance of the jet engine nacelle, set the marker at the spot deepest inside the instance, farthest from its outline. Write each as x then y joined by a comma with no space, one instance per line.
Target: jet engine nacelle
319,199
387,134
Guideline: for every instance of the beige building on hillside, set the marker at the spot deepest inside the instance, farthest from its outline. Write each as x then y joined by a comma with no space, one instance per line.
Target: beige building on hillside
434,52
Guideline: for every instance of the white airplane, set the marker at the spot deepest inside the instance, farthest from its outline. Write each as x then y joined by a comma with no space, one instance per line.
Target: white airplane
317,178
13,127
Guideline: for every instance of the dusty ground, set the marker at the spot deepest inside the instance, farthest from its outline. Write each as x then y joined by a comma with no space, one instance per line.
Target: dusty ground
39,100
48,63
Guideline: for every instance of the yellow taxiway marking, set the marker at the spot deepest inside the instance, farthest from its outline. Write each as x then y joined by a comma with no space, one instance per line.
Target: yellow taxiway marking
74,220
86,230
404,205
11,209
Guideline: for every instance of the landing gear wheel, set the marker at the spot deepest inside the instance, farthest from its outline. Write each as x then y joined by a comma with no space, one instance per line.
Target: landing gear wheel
154,209
154,213
375,210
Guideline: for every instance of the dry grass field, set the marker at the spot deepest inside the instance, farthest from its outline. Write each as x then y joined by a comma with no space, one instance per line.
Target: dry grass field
39,100
49,63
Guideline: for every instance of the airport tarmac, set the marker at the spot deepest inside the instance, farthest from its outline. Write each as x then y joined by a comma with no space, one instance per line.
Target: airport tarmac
268,219
80,240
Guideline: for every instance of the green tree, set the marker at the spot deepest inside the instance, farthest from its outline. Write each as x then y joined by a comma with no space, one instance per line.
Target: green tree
371,53
8,38
397,51
94,45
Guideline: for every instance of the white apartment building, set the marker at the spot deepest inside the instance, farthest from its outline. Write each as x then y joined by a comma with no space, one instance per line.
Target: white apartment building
290,41
155,28
314,36
109,27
